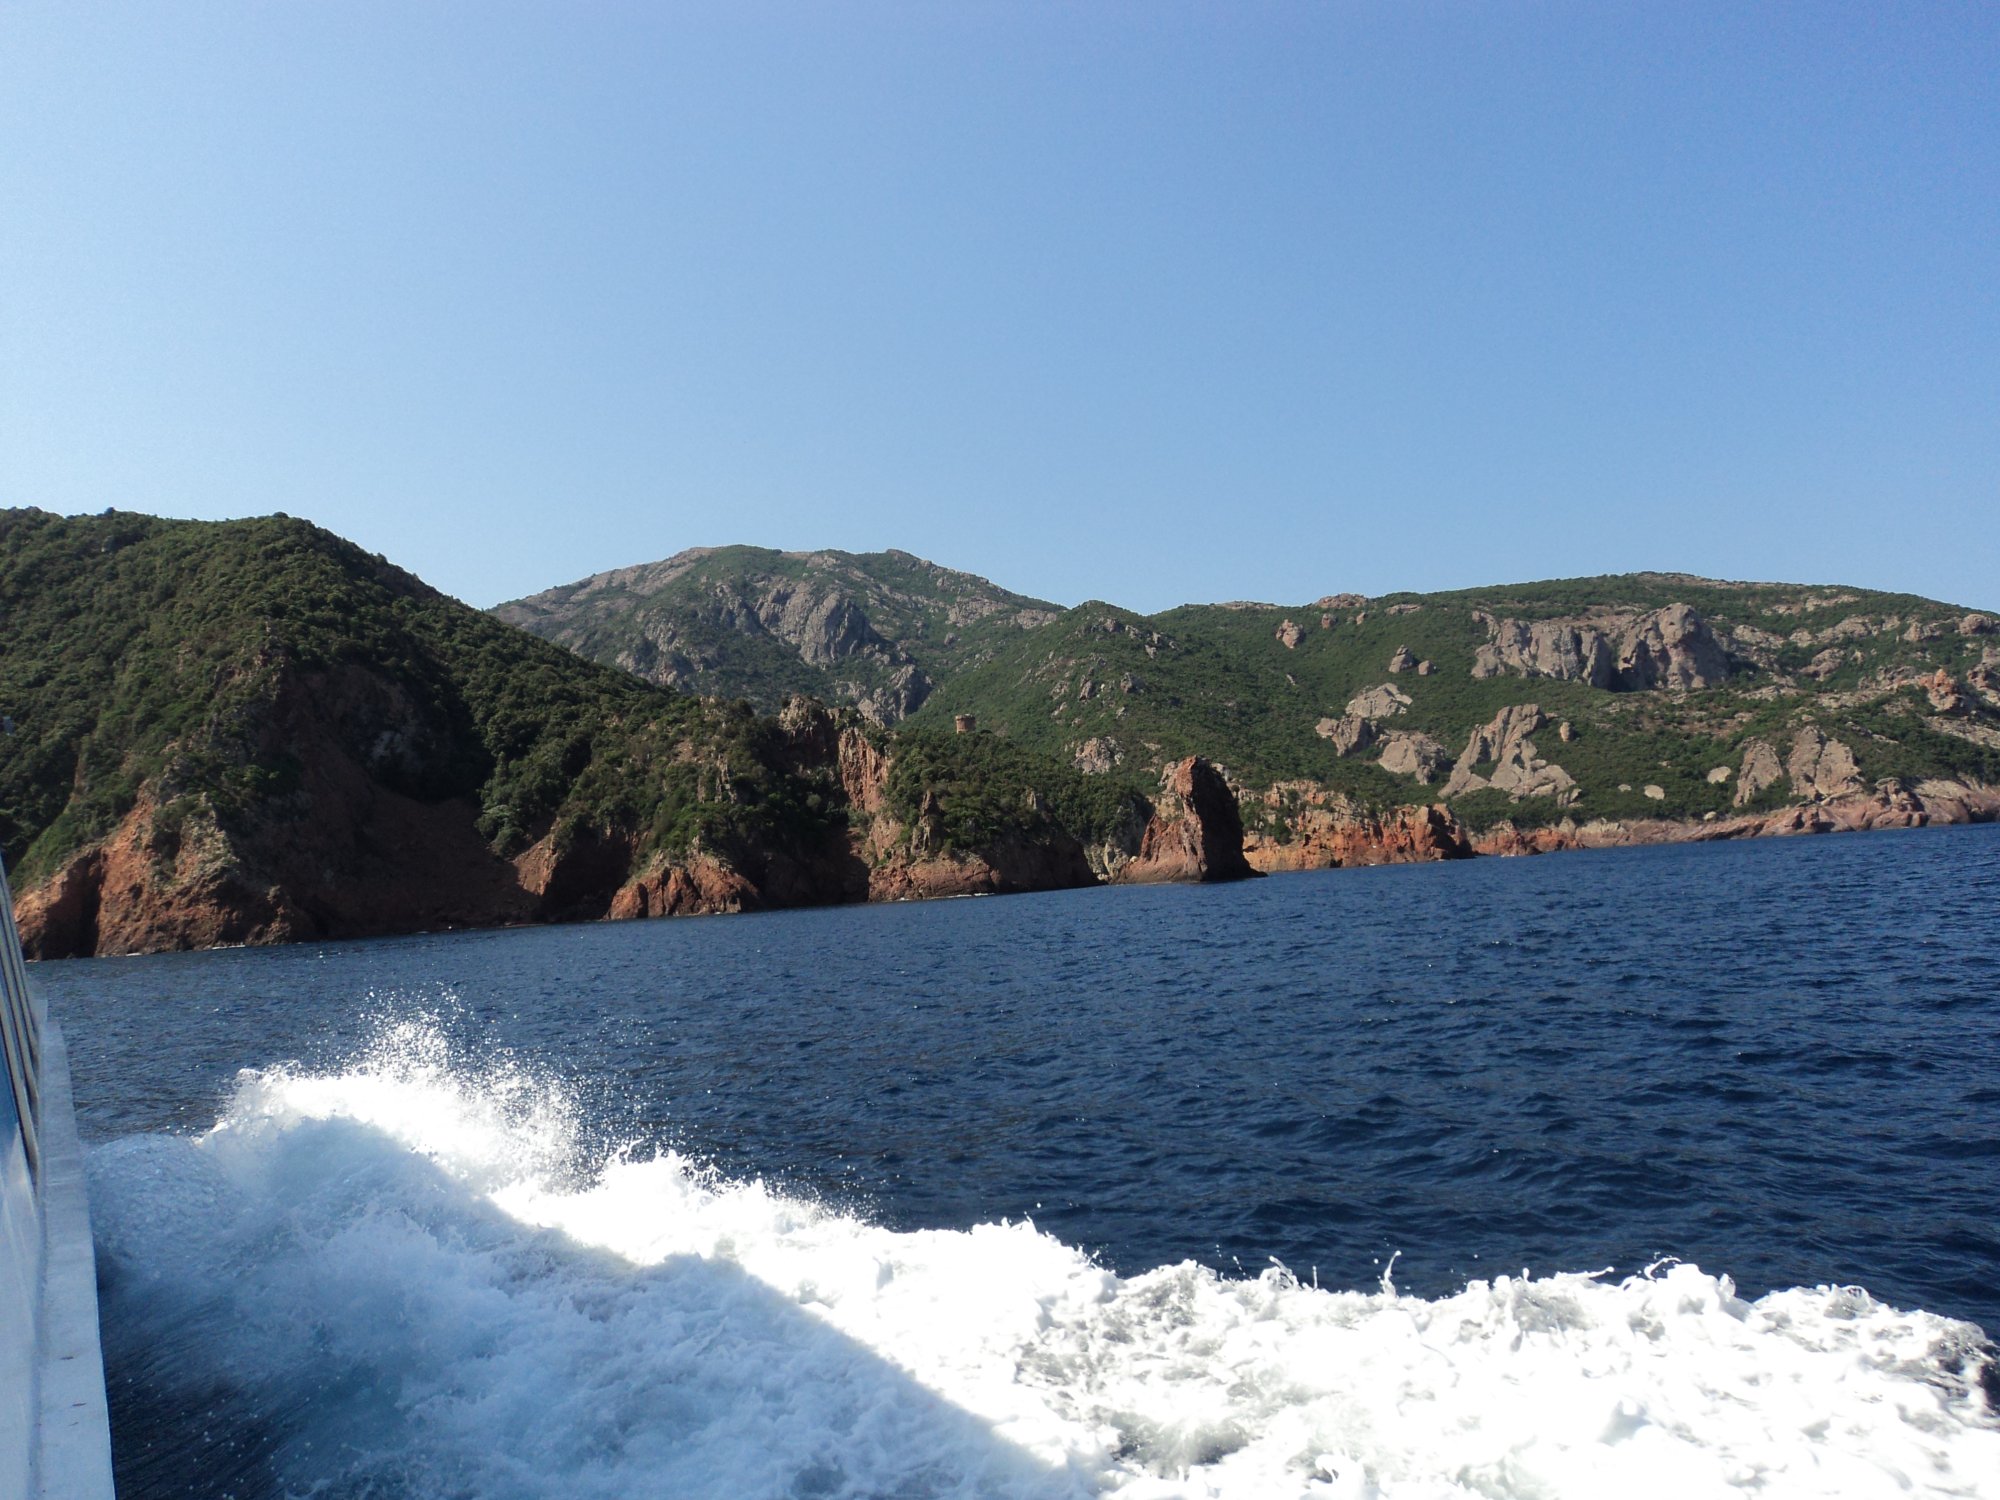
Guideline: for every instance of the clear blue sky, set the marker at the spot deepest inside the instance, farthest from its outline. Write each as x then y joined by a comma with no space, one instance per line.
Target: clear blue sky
1150,302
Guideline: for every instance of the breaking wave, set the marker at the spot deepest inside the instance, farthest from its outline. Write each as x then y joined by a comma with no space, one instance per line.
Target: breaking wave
407,1278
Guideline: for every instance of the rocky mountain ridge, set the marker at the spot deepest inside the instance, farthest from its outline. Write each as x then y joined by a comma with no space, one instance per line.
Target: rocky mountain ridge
869,630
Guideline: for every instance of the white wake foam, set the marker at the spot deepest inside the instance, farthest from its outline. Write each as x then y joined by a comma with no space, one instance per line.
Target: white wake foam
400,1271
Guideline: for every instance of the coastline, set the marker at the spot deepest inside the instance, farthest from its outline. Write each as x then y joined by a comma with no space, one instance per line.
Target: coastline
1190,839
1893,803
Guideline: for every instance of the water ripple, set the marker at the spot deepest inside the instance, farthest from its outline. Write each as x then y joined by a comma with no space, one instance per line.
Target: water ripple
1776,1058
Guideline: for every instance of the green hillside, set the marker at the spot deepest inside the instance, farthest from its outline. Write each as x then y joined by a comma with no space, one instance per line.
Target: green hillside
1218,680
207,659
1651,688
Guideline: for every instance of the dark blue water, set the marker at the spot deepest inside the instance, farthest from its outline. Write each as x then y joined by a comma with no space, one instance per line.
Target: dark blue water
1779,1059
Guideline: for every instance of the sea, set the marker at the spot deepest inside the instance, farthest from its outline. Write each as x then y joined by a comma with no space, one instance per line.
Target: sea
1654,1172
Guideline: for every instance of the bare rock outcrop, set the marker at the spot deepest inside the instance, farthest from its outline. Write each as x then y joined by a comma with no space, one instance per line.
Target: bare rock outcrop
1977,624
1671,648
817,737
1560,649
1761,769
724,621
1966,729
370,860
1946,800
139,892
1984,680
1518,769
880,861
1097,756
1505,840
571,873
677,888
1383,702
1418,756
1752,638
811,731
1010,865
883,860
1195,832
1289,635
1403,660
816,619
825,623
1944,692
1821,768
863,768
1358,728
1348,733
1845,631
893,701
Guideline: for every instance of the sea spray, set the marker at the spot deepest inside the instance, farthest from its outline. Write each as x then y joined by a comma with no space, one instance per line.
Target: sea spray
408,1277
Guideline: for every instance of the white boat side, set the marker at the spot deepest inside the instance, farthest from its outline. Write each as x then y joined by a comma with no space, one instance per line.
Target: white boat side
55,1433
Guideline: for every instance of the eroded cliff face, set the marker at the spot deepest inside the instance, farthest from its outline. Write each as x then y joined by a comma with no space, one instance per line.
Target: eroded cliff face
1008,867
349,845
698,885
1324,830
344,850
342,854
894,861
176,879
144,890
1195,832
1620,651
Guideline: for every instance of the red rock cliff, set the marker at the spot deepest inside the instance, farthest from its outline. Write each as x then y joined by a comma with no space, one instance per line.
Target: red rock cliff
1195,833
1325,830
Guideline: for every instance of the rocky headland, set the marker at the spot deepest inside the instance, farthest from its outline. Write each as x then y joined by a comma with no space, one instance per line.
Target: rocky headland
252,732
